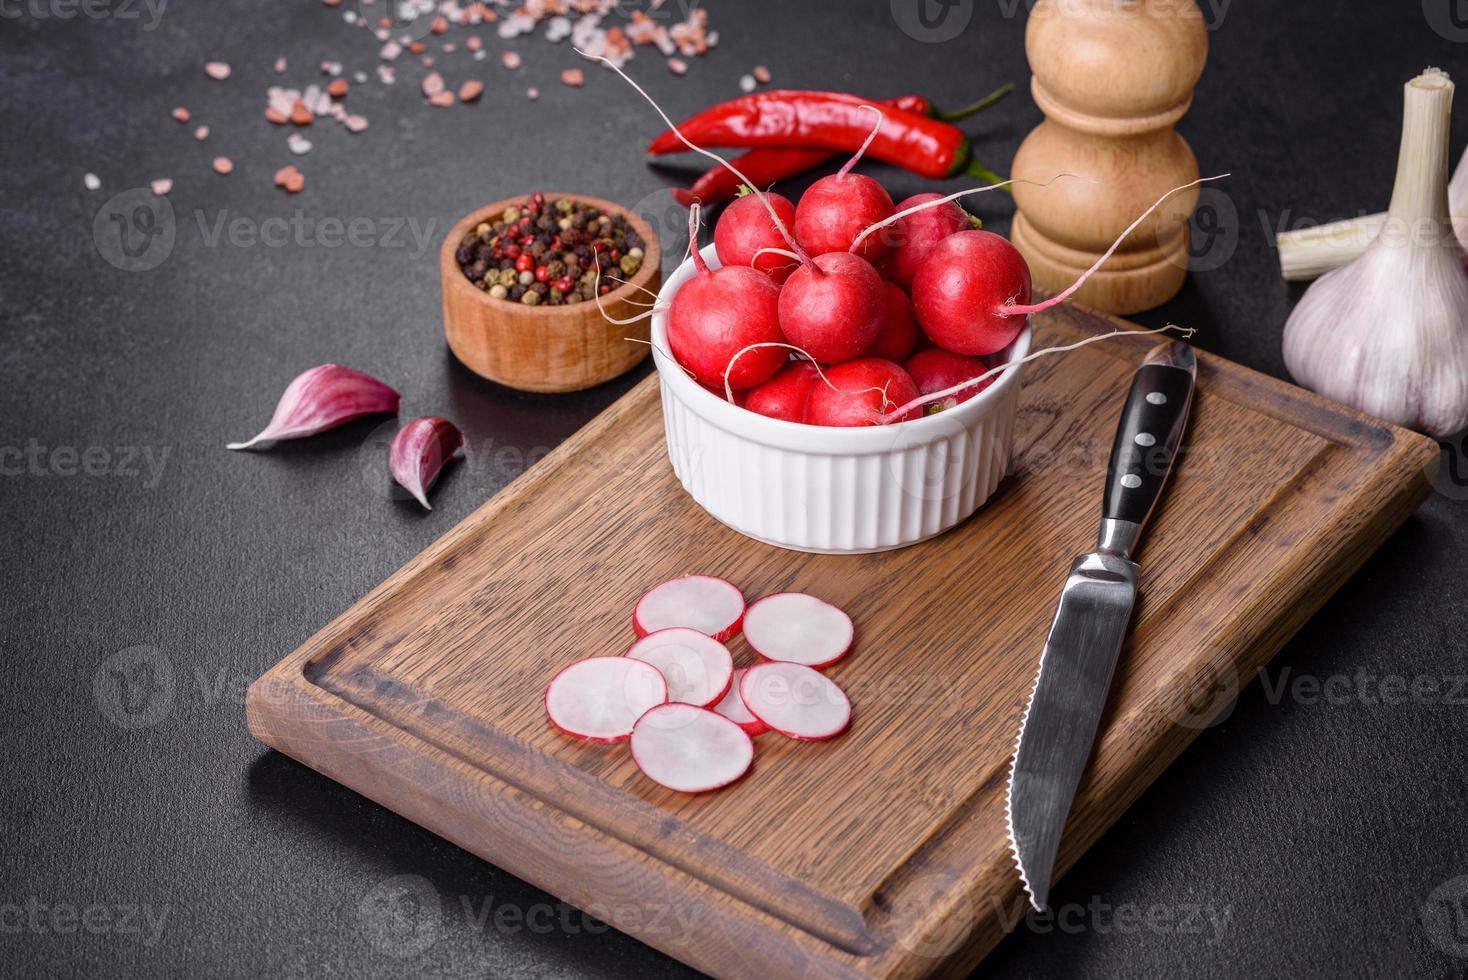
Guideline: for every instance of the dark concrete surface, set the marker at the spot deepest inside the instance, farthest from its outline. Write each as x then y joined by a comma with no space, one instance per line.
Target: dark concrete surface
144,833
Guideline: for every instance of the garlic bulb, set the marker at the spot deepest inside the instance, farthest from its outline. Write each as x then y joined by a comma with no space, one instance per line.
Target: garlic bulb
1388,333
1309,253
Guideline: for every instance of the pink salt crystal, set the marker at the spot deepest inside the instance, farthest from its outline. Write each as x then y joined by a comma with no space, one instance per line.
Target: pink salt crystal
356,123
677,66
573,77
471,90
511,59
181,114
428,61
762,74
450,48
432,84
223,166
217,70
162,186
474,43
532,93
201,134
280,66
441,99
390,51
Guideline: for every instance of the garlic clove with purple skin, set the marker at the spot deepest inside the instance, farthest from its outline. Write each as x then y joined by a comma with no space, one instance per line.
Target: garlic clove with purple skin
1388,333
420,451
323,398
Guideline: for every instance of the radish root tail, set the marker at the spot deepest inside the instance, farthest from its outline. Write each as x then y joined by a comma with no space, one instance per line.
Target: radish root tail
881,121
944,200
596,292
729,389
960,388
784,232
1070,291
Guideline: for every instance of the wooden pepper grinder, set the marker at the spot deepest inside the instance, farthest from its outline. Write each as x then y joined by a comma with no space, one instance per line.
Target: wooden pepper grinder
1112,77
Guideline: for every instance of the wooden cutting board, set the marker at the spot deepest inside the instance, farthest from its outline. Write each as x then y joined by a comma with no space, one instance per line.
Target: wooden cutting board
881,853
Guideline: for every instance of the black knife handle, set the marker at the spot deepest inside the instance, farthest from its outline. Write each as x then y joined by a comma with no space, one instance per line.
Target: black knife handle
1150,433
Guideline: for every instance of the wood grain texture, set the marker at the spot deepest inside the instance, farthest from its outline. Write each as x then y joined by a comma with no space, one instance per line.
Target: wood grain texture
1112,77
546,348
882,853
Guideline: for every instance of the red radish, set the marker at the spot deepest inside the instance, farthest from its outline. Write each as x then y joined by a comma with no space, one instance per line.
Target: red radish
963,290
784,396
601,699
797,628
795,701
835,210
732,707
860,393
745,228
832,307
898,334
719,313
937,369
740,397
689,749
701,602
697,667
913,236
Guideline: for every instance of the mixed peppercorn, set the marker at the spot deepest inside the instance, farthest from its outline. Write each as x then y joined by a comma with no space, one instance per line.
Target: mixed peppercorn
549,252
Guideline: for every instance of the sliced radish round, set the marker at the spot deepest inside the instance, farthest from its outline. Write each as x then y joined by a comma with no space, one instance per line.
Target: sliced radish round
701,602
732,707
601,699
697,667
690,749
797,628
796,700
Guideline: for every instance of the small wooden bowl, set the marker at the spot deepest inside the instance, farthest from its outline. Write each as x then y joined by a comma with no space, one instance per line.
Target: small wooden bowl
546,348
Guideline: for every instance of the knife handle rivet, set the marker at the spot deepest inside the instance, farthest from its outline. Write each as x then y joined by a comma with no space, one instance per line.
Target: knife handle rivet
1131,481
1146,439
1156,398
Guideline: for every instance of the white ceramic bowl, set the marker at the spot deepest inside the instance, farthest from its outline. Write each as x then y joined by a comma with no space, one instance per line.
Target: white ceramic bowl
827,489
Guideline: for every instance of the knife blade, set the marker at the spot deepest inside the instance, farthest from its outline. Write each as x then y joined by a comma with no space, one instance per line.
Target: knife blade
1060,720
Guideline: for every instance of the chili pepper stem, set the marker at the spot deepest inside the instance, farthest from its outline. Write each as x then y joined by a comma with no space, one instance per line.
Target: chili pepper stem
954,115
977,169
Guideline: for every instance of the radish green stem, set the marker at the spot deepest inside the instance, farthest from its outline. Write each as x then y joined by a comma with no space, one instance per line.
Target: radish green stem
784,232
954,115
881,119
1069,291
963,386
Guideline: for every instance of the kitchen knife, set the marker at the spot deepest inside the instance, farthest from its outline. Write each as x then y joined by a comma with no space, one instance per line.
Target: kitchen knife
1060,721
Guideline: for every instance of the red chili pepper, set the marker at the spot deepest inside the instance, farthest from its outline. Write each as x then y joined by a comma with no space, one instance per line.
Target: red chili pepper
766,165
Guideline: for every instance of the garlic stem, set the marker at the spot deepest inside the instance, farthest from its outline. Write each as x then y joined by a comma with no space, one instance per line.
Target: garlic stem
1388,332
1309,253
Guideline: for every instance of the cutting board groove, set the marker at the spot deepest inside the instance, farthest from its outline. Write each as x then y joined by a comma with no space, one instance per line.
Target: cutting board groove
880,854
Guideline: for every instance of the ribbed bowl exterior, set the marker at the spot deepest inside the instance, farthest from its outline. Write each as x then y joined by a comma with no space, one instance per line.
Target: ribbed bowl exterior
831,490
